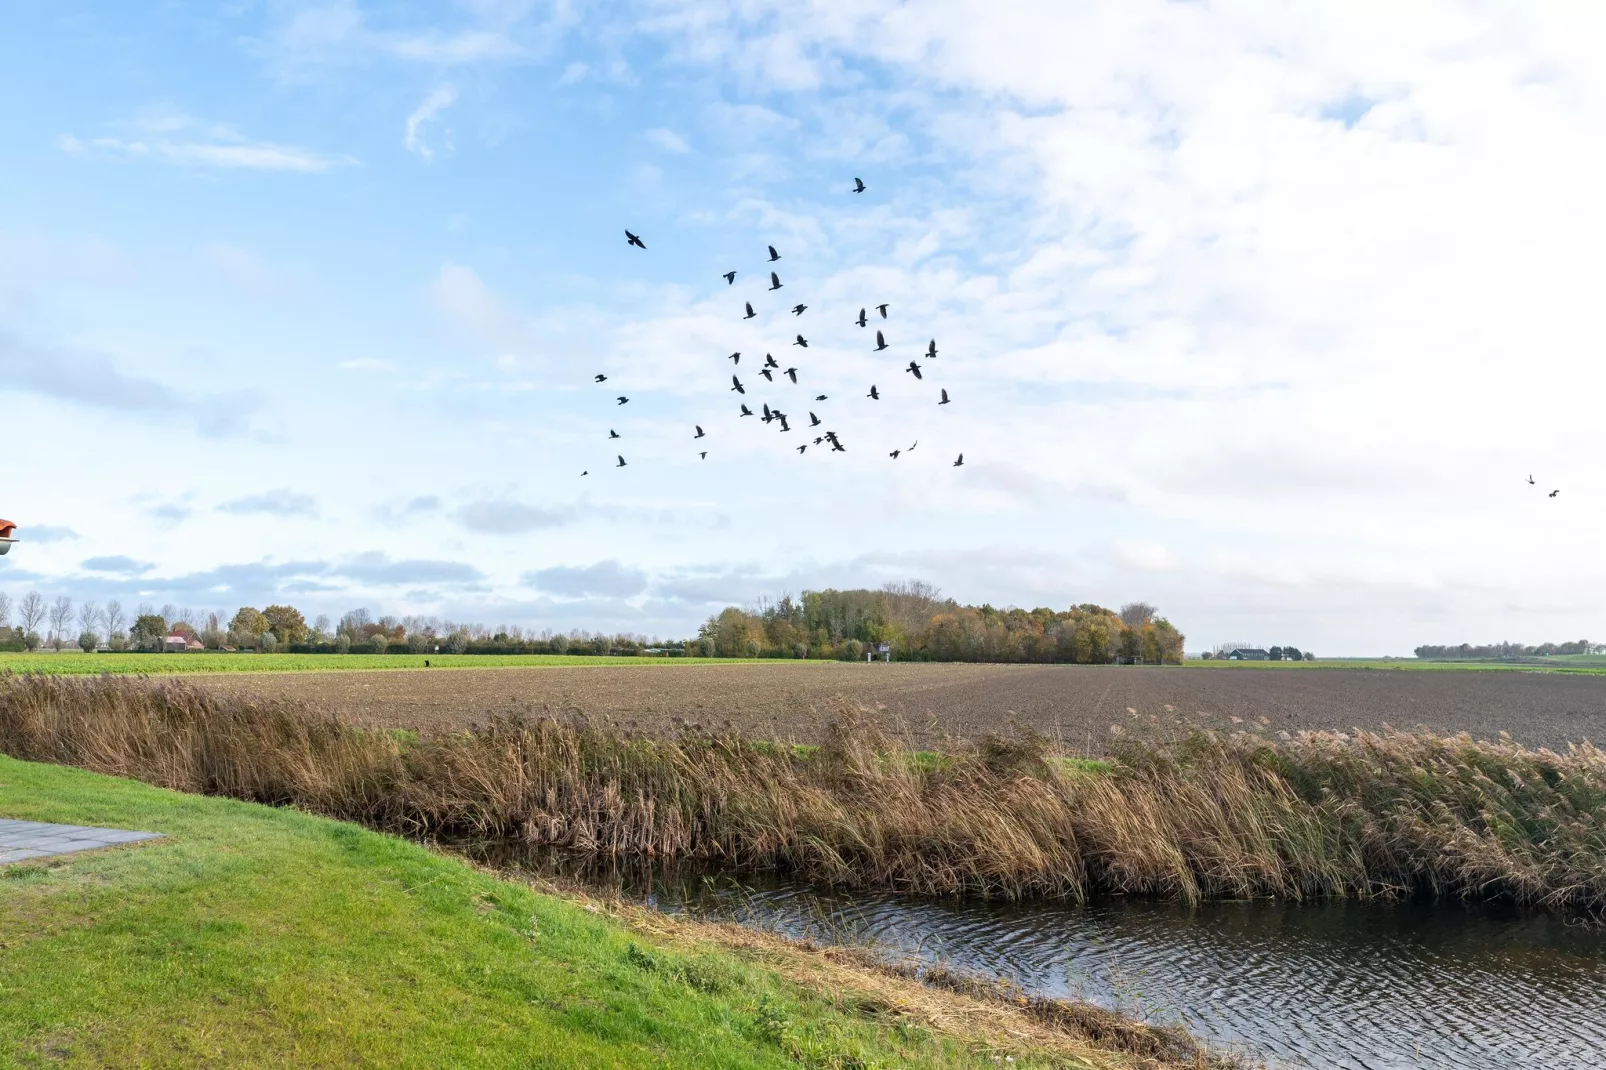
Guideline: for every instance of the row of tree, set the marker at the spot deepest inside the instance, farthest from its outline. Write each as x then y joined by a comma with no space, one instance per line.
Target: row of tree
1508,650
912,622
33,622
1275,653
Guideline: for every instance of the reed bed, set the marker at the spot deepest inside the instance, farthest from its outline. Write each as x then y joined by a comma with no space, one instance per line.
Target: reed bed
1316,815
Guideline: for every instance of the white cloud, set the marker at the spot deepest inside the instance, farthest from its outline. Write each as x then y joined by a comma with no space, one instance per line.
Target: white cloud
179,139
366,364
668,140
439,99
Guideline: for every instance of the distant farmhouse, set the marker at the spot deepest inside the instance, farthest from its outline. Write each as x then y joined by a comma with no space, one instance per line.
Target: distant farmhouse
1247,653
179,644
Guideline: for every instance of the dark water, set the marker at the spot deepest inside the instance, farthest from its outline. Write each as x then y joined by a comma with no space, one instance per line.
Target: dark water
1338,985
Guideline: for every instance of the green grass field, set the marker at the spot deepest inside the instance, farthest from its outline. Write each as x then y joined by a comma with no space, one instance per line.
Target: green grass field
74,662
1579,663
255,936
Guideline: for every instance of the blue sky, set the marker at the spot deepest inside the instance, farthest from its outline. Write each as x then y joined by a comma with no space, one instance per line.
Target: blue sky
1262,319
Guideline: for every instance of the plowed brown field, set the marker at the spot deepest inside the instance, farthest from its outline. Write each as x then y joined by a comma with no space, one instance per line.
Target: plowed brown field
1076,704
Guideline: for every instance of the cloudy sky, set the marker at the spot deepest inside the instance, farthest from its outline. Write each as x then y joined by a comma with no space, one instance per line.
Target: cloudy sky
1262,313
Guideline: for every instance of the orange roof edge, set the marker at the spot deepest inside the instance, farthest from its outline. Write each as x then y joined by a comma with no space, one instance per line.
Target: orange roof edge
6,528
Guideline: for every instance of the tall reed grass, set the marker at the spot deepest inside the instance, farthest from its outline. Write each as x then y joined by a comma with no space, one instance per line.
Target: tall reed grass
1319,815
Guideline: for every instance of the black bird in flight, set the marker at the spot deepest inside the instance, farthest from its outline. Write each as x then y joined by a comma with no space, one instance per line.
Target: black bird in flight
830,436
766,373
699,428
603,379
944,400
775,281
736,358
750,312
797,310
801,341
818,441
771,362
612,433
961,462
863,319
745,410
873,394
623,399
931,354
883,310
894,454
586,473
631,239
911,449
814,421
730,278
703,455
736,385
791,373
1554,493
774,256
781,416
913,367
880,342
803,447
858,185
768,415
1530,481
819,397
621,463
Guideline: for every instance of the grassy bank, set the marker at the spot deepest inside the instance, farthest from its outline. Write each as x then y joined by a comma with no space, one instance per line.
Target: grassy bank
75,663
1315,815
254,936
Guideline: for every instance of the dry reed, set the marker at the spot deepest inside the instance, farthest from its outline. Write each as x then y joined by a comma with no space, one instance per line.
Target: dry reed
1322,814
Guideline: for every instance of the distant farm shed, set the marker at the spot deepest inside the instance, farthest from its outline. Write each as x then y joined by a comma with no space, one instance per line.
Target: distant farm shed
1248,654
178,644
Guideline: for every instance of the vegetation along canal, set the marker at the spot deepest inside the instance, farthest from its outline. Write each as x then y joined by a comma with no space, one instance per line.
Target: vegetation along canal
1329,986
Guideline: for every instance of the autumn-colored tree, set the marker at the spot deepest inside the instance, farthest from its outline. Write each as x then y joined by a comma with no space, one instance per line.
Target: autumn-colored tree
248,624
286,623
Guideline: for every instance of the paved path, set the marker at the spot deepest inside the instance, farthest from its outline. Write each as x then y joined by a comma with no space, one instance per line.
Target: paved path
21,840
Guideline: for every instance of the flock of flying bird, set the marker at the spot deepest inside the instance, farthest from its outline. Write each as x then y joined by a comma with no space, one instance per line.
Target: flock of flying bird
771,367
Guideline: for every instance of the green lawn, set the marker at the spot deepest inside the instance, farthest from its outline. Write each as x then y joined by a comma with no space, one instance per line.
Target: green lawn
255,936
72,662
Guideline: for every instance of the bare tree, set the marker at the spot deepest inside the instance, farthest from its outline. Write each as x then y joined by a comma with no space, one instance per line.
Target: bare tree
60,618
33,610
89,618
1137,614
116,619
5,610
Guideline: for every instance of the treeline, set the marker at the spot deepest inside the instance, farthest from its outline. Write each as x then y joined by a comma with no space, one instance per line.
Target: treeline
914,623
33,622
1467,651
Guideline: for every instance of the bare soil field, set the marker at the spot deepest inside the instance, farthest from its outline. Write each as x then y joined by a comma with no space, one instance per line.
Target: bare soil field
1075,704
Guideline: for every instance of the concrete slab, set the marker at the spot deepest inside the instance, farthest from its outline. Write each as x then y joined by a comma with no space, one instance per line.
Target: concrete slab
22,840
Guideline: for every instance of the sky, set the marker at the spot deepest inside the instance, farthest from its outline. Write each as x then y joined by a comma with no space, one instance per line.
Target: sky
1261,313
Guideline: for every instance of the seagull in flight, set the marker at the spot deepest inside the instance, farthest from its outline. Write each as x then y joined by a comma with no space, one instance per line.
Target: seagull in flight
623,399
880,342
863,319
797,310
621,463
883,310
771,362
600,378
745,410
931,354
736,385
736,358
801,341
775,281
766,373
631,239
874,394
858,185
730,278
612,433
913,367
699,428
774,256
944,400
791,373
750,312
814,421
961,462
